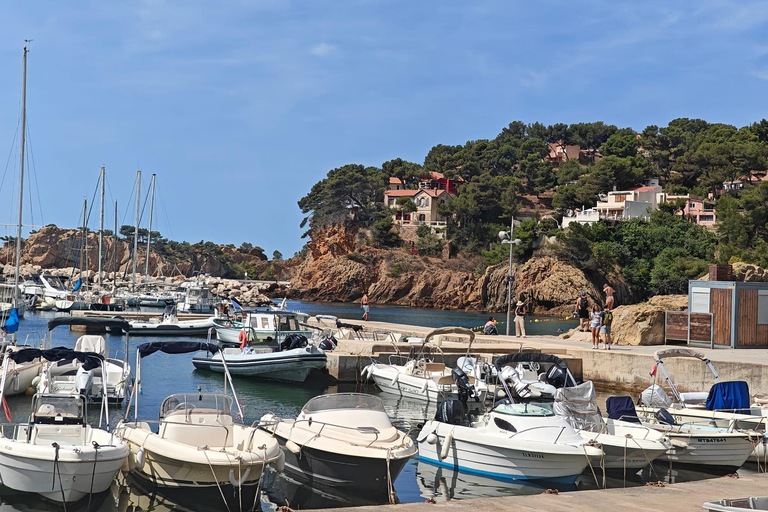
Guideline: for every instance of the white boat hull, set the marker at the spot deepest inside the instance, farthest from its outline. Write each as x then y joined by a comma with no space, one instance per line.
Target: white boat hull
20,377
287,365
503,458
709,449
390,380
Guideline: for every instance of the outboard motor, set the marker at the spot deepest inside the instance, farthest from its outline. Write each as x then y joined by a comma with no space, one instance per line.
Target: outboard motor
465,388
664,417
451,412
328,344
557,376
84,381
294,340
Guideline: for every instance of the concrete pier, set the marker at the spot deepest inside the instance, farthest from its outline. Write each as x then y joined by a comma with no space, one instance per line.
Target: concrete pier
625,368
685,497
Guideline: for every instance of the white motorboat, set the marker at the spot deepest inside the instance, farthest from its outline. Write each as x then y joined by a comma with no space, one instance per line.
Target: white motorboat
525,441
56,453
197,445
343,440
44,285
422,378
713,447
262,325
170,325
626,444
70,376
196,298
293,360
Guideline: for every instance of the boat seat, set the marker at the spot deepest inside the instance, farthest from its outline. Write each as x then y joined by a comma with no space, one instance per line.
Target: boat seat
447,380
694,397
437,367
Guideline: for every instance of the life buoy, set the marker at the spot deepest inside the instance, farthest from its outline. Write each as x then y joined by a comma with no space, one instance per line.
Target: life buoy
243,338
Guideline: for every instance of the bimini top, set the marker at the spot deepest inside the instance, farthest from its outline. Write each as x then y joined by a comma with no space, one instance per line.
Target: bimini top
338,401
450,330
90,360
528,357
679,352
176,347
117,323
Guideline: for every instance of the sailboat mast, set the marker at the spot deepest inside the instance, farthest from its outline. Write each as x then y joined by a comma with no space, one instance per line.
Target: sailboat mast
149,232
21,176
136,230
114,256
101,223
84,245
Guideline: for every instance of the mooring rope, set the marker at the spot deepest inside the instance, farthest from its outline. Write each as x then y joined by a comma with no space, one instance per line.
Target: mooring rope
57,470
93,473
215,479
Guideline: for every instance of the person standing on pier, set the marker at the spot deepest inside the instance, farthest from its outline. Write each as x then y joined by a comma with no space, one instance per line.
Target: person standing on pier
364,305
582,310
520,319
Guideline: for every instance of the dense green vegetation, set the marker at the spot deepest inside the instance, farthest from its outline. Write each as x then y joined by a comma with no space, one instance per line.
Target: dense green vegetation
655,256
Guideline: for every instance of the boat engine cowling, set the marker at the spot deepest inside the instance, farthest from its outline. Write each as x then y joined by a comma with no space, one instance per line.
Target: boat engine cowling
328,344
84,381
557,376
294,340
466,389
451,411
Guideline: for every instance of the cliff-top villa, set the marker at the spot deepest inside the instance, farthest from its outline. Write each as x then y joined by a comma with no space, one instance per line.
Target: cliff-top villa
432,191
698,210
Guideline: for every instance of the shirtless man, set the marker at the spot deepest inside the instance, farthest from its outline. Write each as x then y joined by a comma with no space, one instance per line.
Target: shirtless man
364,305
609,300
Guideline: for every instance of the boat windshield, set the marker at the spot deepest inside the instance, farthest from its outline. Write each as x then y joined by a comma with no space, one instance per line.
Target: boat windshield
343,401
55,409
525,409
210,402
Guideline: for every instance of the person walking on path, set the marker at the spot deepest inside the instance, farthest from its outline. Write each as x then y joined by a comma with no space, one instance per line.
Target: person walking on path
364,305
609,299
582,310
520,319
594,325
606,319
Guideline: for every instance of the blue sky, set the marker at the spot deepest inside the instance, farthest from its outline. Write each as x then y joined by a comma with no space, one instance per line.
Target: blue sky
241,106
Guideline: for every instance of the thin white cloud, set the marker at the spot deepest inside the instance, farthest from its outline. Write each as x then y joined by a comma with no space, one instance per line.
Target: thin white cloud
761,74
323,50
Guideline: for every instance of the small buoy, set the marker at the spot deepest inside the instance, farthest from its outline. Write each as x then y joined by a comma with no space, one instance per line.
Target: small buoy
394,381
432,438
292,447
234,481
279,464
30,391
140,459
446,445
536,320
424,386
35,381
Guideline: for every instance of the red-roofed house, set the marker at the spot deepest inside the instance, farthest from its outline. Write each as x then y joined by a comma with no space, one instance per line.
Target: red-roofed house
701,211
437,181
395,184
426,201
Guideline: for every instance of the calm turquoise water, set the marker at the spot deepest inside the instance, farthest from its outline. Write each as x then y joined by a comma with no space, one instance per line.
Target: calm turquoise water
164,374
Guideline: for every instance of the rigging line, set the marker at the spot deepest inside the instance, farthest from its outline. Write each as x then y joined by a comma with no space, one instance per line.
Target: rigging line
144,206
93,201
29,189
11,152
129,202
33,172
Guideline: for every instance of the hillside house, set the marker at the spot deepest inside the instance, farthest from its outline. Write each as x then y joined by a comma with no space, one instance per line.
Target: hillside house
426,201
700,211
395,184
559,153
635,203
586,216
438,181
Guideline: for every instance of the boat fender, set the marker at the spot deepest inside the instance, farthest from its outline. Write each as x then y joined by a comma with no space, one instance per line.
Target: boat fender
243,339
279,463
234,481
35,381
395,379
293,447
140,459
432,438
424,386
30,391
447,442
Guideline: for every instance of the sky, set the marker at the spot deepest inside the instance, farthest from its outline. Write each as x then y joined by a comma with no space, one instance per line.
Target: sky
239,107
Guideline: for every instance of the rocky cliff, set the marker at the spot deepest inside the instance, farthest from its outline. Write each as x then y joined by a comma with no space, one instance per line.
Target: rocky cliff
340,267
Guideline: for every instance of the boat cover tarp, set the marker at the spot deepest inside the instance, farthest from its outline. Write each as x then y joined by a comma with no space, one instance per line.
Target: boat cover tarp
12,323
621,408
90,360
679,352
450,330
116,323
729,396
342,325
528,357
578,406
176,347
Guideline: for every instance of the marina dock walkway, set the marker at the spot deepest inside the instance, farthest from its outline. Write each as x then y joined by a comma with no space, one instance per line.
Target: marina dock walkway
684,497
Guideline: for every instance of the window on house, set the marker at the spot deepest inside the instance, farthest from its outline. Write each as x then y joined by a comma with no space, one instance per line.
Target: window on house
422,217
620,198
706,218
699,300
762,307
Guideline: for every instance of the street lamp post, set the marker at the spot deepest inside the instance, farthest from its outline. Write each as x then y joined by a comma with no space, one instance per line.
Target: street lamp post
506,238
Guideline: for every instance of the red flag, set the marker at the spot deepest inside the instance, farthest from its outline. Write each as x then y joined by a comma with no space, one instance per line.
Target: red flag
653,370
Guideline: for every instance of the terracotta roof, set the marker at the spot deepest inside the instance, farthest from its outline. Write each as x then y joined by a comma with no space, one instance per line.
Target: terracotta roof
401,193
645,189
395,181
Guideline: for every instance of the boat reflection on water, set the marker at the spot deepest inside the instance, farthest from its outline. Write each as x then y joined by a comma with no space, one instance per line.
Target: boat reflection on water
445,484
27,502
281,489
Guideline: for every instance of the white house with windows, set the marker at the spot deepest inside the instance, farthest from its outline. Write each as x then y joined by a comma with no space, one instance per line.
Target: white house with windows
635,203
426,201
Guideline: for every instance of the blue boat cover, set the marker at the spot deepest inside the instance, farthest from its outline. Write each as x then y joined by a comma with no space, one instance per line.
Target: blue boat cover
90,360
176,347
621,408
12,324
732,396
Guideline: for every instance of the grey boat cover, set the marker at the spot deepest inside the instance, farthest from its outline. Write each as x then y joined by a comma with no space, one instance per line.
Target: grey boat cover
679,352
578,406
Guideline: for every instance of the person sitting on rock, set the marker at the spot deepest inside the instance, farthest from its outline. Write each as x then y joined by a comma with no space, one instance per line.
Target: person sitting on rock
490,327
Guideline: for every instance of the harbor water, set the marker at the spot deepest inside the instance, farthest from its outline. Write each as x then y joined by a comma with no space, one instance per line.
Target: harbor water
164,374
